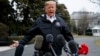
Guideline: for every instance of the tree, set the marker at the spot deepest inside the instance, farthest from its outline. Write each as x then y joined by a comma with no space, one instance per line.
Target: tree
73,26
3,30
29,10
7,14
63,12
6,11
96,2
83,22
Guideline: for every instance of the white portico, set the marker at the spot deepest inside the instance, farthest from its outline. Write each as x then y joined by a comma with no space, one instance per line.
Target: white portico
96,30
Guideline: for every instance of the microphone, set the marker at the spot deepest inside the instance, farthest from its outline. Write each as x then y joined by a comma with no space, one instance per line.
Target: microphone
38,42
62,44
49,38
60,41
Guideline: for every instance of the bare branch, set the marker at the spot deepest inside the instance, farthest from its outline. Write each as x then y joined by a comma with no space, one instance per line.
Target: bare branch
95,2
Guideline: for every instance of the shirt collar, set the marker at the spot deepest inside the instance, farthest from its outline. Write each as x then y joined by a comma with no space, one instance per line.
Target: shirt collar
51,19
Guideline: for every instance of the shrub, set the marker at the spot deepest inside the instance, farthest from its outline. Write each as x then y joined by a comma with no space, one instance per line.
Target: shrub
4,34
89,32
3,30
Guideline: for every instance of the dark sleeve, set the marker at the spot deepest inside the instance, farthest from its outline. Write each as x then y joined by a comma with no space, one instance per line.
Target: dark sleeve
30,34
66,32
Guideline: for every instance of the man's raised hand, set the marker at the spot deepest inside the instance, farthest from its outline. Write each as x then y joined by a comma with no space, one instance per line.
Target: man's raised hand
15,44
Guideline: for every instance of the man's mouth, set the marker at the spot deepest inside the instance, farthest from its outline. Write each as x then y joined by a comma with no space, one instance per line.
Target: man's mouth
50,12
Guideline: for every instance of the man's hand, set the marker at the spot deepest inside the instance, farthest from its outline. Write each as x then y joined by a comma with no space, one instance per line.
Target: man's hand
15,44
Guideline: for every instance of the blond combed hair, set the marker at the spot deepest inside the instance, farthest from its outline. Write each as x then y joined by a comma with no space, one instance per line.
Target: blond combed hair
50,2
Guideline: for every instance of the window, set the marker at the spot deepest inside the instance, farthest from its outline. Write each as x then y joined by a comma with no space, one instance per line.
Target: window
95,31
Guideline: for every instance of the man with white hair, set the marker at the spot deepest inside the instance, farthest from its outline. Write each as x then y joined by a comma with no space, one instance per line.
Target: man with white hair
48,23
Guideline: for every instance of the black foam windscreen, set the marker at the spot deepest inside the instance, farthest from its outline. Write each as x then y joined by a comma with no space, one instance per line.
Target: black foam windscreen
73,46
60,40
49,38
38,42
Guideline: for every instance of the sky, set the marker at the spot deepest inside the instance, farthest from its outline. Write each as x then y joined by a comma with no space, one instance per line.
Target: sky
79,5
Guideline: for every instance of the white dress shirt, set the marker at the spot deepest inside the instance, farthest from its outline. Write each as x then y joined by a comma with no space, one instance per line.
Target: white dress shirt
51,19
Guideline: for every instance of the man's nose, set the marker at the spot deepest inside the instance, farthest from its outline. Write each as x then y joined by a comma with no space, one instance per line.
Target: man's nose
51,8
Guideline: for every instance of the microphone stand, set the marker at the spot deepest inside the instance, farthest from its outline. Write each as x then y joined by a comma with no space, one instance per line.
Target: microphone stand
53,50
49,39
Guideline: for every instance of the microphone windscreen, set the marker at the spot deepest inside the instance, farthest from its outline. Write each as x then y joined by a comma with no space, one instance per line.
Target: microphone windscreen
38,42
49,38
60,40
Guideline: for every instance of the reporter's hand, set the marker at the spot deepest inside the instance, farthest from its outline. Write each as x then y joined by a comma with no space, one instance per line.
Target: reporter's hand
15,44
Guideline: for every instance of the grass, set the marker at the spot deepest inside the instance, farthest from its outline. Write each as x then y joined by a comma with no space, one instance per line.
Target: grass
80,36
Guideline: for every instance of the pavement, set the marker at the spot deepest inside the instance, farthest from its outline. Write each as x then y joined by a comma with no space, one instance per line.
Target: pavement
94,50
4,48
